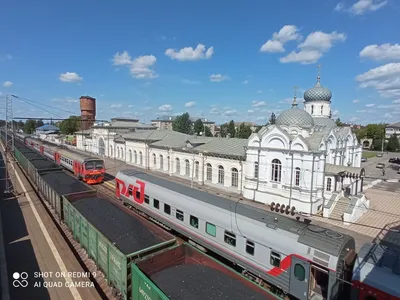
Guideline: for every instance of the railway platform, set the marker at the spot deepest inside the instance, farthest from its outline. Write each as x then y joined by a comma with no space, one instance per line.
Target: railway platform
36,261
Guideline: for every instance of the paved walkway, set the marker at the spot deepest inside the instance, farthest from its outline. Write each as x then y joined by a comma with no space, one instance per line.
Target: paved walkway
33,244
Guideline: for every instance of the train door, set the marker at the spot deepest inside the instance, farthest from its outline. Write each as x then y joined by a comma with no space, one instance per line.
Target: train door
319,282
299,275
42,150
57,158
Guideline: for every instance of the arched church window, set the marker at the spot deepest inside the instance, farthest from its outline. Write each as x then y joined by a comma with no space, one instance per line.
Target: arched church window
297,177
329,184
221,175
161,162
322,109
154,160
276,171
140,158
135,156
177,165
256,170
209,172
196,170
130,155
187,167
312,109
235,177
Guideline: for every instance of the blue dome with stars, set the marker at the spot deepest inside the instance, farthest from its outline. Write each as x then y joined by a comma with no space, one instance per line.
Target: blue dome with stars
318,93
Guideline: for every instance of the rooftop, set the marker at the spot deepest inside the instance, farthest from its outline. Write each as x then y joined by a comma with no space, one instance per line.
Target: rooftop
172,118
394,125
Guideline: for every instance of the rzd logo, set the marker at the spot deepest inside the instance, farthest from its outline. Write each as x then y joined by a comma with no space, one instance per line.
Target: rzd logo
20,279
131,191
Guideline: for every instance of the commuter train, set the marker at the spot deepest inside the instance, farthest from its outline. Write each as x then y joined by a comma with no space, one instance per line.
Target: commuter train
289,256
88,169
292,258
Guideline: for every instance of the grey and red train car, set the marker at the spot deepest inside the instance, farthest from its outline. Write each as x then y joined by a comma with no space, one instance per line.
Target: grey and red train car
88,169
294,259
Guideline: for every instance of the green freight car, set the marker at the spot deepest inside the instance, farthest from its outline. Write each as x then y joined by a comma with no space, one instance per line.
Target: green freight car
113,238
183,272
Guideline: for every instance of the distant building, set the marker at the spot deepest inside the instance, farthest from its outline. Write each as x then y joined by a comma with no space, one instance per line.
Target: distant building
97,138
392,129
165,123
47,129
253,126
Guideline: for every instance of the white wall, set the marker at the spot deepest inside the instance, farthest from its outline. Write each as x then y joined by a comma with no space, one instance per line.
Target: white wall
316,112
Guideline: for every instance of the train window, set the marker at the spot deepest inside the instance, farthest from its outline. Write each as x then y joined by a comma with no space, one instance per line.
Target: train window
275,259
179,215
156,203
230,238
137,194
299,272
211,229
129,191
194,221
146,199
250,247
167,209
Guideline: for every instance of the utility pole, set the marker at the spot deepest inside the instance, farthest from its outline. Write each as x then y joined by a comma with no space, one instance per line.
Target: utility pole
9,143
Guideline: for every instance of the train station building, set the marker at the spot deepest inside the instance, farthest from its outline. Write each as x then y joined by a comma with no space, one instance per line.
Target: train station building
303,160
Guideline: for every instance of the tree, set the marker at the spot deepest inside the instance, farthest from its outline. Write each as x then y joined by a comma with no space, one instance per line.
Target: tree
39,123
70,125
182,124
338,122
20,125
30,126
393,144
244,131
223,130
198,126
231,130
207,131
272,119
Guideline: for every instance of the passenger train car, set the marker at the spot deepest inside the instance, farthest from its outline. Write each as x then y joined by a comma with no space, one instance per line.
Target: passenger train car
289,256
89,169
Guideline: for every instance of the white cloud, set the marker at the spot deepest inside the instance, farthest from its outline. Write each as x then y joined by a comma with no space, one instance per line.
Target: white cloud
363,6
385,79
370,105
65,100
214,110
251,111
362,111
190,104
388,115
396,101
245,82
311,50
188,53
353,119
279,39
258,103
70,77
335,113
122,59
356,101
259,92
165,108
141,65
230,112
381,52
7,84
130,105
115,105
218,77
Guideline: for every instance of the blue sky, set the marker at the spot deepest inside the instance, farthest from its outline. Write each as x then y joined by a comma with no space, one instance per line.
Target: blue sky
245,57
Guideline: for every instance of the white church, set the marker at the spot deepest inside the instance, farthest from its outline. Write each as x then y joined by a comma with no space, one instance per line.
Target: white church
302,163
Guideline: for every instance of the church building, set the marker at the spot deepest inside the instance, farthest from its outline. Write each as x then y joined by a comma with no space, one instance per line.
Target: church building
302,163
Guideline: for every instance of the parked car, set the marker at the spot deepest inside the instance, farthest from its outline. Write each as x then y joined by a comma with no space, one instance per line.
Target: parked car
380,165
363,159
379,155
395,160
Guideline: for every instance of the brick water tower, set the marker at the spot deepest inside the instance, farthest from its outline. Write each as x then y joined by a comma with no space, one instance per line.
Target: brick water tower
88,111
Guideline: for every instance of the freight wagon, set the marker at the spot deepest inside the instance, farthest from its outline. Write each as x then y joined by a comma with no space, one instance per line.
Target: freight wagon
183,272
113,238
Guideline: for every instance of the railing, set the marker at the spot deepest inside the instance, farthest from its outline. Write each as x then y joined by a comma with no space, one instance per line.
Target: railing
330,206
357,206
